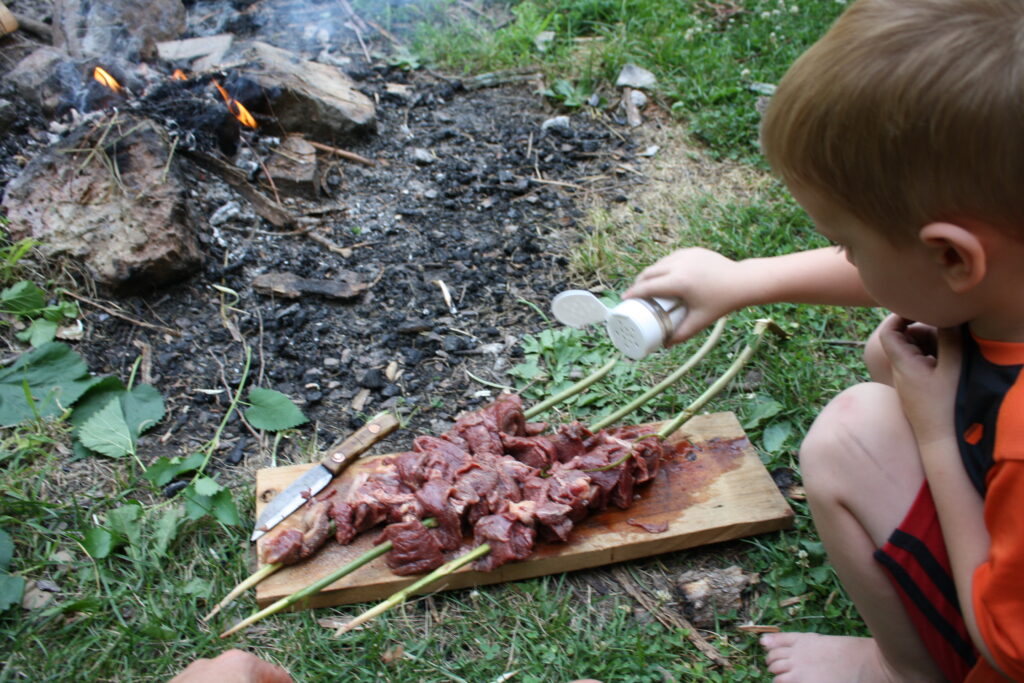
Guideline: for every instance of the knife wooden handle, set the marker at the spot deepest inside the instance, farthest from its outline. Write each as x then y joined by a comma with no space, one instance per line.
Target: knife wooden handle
345,453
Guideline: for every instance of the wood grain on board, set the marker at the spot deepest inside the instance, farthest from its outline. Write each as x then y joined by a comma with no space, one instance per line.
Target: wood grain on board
712,488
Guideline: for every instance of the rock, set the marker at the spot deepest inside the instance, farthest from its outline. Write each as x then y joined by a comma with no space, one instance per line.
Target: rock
317,99
708,593
421,157
633,76
8,114
559,124
127,28
44,76
133,230
292,168
210,48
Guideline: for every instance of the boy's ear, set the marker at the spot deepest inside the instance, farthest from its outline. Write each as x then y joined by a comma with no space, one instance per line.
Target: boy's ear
958,251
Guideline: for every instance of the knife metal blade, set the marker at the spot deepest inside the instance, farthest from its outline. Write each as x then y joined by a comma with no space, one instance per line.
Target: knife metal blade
314,480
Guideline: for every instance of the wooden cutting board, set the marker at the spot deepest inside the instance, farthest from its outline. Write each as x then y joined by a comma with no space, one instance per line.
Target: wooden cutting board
713,488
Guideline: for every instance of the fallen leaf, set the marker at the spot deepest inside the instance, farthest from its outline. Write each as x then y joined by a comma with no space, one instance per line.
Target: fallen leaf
34,597
392,654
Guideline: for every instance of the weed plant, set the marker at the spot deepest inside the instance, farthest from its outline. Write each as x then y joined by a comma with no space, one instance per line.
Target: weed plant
134,614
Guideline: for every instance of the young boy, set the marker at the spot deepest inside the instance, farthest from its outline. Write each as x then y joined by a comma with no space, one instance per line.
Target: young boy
901,132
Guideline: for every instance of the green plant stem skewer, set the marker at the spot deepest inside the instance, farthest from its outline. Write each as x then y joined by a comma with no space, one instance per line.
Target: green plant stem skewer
584,383
399,597
760,327
698,356
317,586
253,579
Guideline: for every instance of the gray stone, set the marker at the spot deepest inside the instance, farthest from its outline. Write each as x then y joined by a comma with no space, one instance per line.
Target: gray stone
633,76
317,99
44,76
132,230
129,29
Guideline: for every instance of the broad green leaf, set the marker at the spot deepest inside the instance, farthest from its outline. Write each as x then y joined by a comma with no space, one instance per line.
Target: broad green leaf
205,486
22,298
273,411
166,529
224,508
762,411
107,432
143,408
99,542
196,505
11,589
125,521
56,377
164,470
39,332
97,397
775,435
6,550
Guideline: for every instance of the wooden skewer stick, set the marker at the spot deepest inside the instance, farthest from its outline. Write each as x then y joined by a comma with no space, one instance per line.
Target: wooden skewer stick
343,153
316,587
399,597
253,579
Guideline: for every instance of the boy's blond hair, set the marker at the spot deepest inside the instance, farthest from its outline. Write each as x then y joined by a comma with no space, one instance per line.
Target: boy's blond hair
907,112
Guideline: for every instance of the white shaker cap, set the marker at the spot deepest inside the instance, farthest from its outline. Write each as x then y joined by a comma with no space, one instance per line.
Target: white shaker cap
578,308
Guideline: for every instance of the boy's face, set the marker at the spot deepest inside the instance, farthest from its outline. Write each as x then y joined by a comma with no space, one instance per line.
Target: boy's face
902,278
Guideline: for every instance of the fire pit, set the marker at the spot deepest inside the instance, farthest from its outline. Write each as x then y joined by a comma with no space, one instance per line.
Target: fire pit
386,278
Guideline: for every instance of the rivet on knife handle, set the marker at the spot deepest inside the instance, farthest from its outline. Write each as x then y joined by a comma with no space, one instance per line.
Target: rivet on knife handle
348,450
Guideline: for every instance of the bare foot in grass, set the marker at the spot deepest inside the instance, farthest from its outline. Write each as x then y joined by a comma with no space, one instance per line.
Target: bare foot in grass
812,658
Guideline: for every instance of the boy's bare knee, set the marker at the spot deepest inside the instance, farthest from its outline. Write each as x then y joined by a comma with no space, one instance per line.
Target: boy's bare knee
838,434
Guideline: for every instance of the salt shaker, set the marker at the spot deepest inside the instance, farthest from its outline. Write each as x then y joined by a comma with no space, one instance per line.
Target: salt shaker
636,327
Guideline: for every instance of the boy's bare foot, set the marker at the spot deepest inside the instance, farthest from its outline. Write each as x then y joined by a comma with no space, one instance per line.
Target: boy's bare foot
811,657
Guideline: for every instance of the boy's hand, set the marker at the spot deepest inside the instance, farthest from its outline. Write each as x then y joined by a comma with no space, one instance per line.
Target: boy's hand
709,284
233,666
926,370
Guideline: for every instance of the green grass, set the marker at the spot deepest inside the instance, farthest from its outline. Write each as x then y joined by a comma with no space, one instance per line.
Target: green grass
134,616
709,57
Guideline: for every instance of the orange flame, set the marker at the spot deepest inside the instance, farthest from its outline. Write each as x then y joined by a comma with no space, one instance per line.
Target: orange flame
104,77
179,75
236,107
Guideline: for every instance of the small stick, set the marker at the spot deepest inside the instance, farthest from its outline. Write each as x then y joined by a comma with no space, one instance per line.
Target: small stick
122,316
344,154
399,597
316,587
254,578
698,356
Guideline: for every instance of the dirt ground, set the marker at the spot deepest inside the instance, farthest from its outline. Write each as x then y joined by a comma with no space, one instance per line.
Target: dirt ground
461,228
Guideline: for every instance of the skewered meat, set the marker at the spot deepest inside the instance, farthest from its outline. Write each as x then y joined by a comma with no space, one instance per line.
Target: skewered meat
492,474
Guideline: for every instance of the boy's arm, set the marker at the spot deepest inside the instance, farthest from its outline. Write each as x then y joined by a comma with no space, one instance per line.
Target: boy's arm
926,384
712,285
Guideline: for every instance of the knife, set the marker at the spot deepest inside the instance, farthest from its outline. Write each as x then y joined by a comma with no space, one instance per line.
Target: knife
314,480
